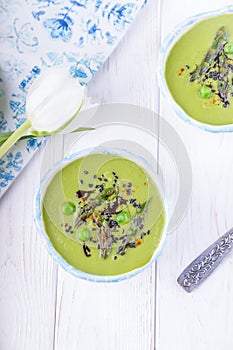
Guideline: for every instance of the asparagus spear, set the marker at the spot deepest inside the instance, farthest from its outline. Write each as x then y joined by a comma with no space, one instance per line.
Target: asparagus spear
225,84
212,55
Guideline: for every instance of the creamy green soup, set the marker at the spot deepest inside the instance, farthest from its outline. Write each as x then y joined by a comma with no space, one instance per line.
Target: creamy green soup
104,214
199,71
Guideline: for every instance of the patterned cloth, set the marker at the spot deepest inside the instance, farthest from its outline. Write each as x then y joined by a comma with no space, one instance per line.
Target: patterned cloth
37,34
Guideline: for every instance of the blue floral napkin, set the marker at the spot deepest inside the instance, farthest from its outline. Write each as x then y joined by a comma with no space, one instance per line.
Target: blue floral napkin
36,34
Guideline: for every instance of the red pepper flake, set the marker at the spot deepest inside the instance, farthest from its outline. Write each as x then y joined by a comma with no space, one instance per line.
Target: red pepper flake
138,242
181,71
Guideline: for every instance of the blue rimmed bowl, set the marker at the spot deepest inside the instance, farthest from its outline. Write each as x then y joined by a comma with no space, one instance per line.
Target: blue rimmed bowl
166,47
47,177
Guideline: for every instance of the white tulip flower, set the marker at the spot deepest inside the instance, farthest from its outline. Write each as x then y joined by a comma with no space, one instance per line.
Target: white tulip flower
51,104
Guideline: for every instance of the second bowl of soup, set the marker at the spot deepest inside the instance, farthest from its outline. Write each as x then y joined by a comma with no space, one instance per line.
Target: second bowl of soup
196,70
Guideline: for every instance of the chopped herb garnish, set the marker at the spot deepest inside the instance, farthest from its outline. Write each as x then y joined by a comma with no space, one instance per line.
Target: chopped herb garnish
101,214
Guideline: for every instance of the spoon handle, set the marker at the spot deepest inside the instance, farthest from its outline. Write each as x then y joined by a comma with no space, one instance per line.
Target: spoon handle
17,134
205,263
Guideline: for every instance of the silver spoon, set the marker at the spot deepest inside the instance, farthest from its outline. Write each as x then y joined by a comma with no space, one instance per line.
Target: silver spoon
206,263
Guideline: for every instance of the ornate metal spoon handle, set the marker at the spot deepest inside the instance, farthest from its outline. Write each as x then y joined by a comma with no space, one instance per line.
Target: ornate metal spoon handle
206,263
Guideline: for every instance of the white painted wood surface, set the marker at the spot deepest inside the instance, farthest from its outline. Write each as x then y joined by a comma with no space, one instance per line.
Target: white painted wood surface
42,307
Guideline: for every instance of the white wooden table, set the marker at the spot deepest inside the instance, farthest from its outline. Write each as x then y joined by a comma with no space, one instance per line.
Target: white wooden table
42,307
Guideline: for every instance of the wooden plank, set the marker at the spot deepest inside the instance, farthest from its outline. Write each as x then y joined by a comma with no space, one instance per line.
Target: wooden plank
115,316
27,274
200,320
104,316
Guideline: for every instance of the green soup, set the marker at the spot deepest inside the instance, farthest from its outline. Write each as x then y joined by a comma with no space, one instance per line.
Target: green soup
199,71
104,214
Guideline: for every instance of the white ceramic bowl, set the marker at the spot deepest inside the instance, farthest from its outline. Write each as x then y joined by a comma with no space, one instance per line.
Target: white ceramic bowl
40,226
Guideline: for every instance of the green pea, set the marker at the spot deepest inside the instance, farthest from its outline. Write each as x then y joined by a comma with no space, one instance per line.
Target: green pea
205,92
83,234
123,218
68,208
228,48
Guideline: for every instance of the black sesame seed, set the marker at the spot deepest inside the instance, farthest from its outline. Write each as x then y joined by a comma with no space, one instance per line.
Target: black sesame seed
94,176
114,257
90,185
148,232
85,172
81,181
131,245
86,250
113,173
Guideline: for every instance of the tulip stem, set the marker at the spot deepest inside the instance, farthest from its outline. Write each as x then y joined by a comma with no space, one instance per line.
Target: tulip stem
17,134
